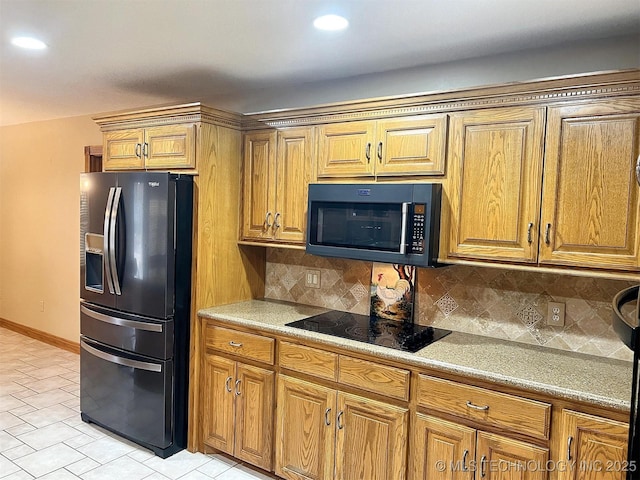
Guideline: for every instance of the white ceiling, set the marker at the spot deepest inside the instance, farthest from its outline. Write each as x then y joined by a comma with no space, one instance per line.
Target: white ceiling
106,55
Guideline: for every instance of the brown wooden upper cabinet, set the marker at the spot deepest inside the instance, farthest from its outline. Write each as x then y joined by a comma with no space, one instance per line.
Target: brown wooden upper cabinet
590,197
581,209
495,170
278,167
400,146
162,147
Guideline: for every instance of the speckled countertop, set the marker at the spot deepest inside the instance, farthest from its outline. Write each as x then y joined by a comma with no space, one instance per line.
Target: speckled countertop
572,376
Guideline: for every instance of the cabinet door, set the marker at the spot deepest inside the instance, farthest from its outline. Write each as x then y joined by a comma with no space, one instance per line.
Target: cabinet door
590,203
441,450
506,459
495,159
305,430
595,446
254,415
411,145
123,150
170,146
258,185
294,170
218,403
346,149
371,441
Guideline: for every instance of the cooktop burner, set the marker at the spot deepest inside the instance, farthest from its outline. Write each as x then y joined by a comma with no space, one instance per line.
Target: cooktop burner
378,331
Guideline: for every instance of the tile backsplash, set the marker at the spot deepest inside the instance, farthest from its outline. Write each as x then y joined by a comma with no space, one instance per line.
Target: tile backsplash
485,301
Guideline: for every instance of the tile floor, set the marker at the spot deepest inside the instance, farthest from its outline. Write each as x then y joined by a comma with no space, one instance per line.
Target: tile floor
42,435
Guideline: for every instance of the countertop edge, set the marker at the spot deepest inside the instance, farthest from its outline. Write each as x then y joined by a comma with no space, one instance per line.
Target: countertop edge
415,361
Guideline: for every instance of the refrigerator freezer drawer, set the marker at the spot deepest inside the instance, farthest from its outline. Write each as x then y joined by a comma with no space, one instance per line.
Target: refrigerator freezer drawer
128,394
133,333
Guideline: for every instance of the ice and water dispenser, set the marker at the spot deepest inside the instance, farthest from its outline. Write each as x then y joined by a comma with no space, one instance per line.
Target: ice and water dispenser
93,257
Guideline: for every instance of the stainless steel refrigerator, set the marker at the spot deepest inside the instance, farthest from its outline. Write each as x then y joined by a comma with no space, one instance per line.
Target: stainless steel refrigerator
135,290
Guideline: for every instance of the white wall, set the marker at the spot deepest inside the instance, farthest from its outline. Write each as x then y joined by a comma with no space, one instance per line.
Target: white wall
600,55
40,164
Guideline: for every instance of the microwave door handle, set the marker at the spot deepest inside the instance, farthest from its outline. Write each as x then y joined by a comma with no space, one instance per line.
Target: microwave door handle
105,237
112,241
403,234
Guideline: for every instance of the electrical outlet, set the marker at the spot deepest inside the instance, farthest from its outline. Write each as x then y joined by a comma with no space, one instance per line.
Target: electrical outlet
312,279
555,316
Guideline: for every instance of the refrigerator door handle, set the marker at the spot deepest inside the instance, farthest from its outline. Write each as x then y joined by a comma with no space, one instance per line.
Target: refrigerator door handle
151,367
112,240
105,235
121,322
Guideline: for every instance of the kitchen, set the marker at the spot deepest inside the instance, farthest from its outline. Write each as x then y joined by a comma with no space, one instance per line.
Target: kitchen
280,265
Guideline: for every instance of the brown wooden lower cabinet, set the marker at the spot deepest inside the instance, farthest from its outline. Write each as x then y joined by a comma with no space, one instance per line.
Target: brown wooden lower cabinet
595,448
238,410
447,450
324,433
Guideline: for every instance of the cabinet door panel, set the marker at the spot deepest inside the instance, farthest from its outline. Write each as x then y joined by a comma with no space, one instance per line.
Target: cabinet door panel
170,146
259,191
590,196
435,441
305,430
502,458
254,415
294,167
495,170
218,403
371,439
346,149
123,149
412,145
596,443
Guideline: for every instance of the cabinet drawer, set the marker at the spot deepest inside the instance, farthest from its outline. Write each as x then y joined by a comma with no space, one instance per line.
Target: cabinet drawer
247,345
308,360
390,381
521,415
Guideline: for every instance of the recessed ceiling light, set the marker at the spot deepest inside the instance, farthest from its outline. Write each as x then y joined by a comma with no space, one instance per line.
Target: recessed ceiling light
331,22
28,43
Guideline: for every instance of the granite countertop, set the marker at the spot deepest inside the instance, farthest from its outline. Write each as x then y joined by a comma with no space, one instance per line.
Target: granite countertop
569,375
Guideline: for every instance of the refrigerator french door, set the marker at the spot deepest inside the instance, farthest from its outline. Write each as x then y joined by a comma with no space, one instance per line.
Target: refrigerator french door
135,286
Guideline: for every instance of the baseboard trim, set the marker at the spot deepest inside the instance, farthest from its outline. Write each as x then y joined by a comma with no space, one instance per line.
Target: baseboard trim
41,336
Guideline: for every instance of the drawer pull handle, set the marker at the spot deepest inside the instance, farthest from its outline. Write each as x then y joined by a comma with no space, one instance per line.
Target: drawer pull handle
465,468
238,387
226,384
483,463
529,237
266,220
569,442
367,152
380,152
338,422
327,422
477,407
234,344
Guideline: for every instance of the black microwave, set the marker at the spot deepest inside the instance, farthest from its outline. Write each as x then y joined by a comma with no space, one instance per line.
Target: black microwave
387,223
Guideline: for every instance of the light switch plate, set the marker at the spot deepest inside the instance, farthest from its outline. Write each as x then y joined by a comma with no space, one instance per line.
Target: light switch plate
312,279
555,316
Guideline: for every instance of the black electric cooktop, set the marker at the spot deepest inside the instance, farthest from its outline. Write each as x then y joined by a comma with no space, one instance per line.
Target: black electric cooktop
377,331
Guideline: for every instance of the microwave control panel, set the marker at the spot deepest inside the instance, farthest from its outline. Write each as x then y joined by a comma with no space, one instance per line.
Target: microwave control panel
417,228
